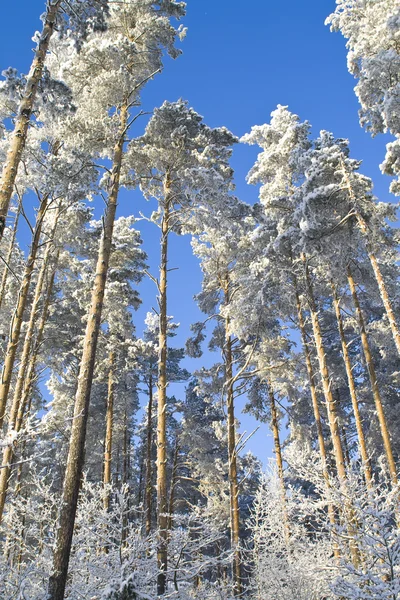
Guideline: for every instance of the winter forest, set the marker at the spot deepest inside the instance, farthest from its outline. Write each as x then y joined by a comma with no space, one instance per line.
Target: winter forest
125,473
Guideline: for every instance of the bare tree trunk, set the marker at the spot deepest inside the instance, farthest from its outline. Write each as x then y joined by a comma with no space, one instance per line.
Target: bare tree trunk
162,497
317,414
374,263
373,380
13,423
149,443
326,383
352,388
19,135
279,460
125,478
125,449
73,473
30,373
6,271
109,431
16,323
174,481
232,454
333,415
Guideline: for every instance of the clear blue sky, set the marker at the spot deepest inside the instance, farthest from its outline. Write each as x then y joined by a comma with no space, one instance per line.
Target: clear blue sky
239,61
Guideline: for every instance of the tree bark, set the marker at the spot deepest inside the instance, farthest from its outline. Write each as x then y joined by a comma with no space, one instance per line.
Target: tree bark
352,388
373,380
162,498
317,413
232,454
374,263
174,480
6,271
30,373
331,408
279,460
109,431
13,423
64,533
149,443
324,372
19,135
16,323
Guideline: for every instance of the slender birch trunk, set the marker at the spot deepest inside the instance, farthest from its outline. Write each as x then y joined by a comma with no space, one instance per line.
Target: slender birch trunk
16,323
149,443
232,455
13,422
279,460
73,473
19,135
6,271
109,431
373,380
162,495
352,388
374,263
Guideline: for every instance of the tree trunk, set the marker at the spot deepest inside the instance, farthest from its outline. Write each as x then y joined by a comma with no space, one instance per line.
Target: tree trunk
317,414
331,410
109,432
162,498
30,373
324,372
73,473
125,478
373,380
174,480
352,388
374,263
14,424
6,271
19,135
232,455
279,460
16,323
149,443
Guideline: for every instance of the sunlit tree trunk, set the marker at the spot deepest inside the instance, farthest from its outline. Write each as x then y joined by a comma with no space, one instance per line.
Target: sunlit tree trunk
325,378
232,454
278,456
316,410
149,444
352,388
109,431
373,380
30,372
374,263
4,279
13,422
19,135
333,415
162,494
73,473
174,481
16,323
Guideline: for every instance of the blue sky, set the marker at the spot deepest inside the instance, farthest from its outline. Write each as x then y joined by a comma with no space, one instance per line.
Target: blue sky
239,61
